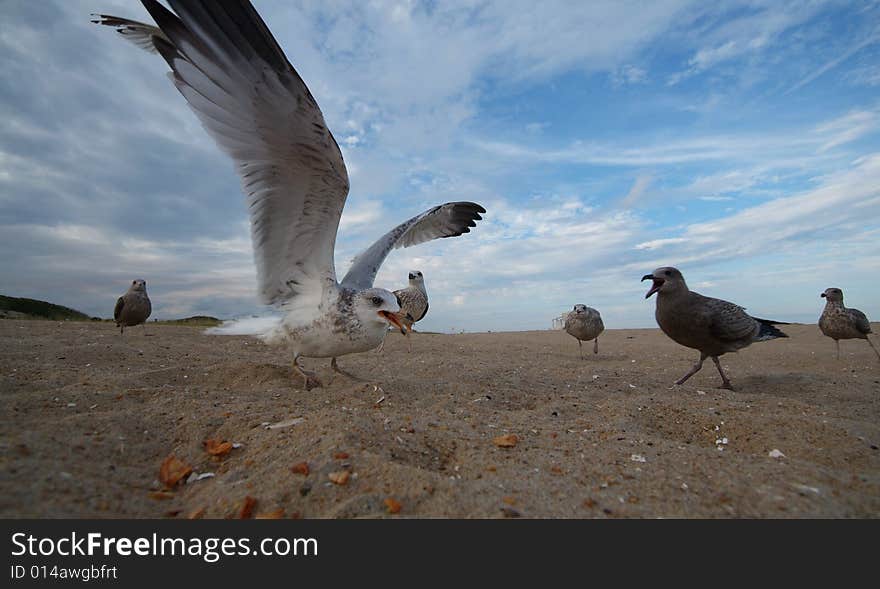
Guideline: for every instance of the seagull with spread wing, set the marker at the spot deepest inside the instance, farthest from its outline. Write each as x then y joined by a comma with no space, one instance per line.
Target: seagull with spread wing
228,66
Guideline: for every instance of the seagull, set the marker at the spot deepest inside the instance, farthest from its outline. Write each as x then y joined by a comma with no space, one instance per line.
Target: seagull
584,323
133,307
237,80
838,322
712,326
413,302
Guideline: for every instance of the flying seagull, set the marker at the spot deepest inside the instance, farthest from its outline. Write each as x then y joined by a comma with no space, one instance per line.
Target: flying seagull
584,324
133,308
413,302
712,326
237,80
838,322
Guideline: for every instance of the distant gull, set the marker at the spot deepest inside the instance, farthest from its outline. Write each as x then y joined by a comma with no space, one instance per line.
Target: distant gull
712,326
237,80
838,322
133,308
413,302
584,324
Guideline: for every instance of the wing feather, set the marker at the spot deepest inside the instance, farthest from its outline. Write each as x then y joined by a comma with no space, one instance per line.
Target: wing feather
232,73
117,310
860,320
730,322
141,34
446,220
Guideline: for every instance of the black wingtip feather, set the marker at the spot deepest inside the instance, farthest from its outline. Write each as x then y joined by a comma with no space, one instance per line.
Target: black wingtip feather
768,331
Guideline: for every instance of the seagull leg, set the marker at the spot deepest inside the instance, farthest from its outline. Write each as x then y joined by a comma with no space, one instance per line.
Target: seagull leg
693,370
581,349
837,344
596,346
872,347
725,383
339,370
311,381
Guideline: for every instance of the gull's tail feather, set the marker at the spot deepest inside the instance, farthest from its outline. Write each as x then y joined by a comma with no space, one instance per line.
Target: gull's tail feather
768,331
258,326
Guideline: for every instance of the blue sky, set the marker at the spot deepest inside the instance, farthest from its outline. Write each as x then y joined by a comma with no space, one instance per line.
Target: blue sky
737,141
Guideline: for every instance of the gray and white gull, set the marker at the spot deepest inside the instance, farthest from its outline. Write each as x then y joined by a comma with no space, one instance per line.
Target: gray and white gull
237,80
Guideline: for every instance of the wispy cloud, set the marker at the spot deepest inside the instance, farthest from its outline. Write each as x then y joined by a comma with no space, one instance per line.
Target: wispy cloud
842,198
870,39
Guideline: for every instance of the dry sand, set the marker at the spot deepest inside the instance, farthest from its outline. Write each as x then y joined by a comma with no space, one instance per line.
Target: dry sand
89,416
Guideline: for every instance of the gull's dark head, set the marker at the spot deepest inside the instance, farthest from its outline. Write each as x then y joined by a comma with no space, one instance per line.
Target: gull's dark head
665,280
138,285
580,309
415,277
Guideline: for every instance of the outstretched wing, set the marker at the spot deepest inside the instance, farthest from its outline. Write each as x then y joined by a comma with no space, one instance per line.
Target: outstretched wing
237,80
446,220
141,34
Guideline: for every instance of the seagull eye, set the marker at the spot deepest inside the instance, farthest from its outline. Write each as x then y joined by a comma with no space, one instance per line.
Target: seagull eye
377,301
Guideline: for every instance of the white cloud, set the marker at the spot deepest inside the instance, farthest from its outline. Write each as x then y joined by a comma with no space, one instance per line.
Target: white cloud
637,191
629,74
847,128
848,196
781,147
435,102
850,50
658,243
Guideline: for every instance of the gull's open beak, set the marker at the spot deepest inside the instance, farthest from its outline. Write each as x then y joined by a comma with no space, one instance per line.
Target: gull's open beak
658,282
393,320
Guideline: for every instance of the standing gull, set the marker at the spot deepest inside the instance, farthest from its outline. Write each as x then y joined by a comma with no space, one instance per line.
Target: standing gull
413,302
133,307
838,322
585,324
237,80
712,326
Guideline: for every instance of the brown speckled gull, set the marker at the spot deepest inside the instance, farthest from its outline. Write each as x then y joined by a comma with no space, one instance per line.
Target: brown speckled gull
584,324
134,307
838,322
413,302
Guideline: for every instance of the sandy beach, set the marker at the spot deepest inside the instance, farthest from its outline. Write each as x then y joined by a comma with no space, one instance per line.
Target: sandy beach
89,416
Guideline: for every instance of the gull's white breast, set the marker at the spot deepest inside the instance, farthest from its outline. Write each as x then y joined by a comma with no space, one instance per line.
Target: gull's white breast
326,330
